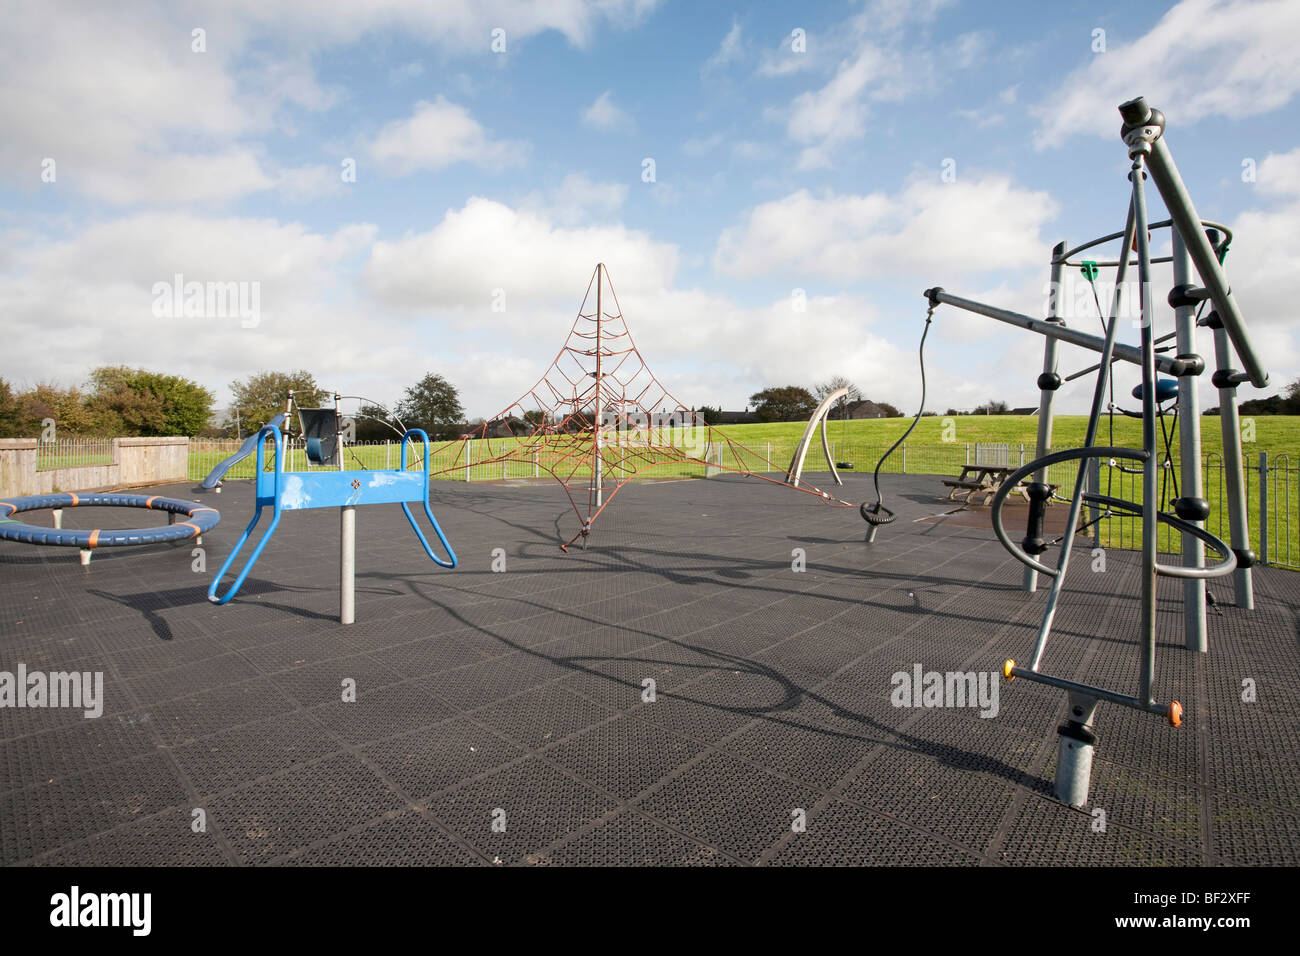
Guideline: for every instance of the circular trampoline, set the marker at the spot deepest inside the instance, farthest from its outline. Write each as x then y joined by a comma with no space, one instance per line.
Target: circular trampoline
200,518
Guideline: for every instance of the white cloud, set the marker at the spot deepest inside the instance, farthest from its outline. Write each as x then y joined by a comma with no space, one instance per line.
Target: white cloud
117,97
1203,58
577,199
94,293
437,135
1278,174
729,51
487,245
702,146
837,112
406,72
604,115
930,228
870,63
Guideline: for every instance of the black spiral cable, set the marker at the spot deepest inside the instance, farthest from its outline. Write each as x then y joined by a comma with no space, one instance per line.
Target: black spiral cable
878,514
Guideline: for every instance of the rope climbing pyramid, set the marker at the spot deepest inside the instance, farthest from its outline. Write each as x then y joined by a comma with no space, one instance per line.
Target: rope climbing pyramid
599,418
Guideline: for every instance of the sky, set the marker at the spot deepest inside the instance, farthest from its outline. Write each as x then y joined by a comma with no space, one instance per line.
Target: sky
399,187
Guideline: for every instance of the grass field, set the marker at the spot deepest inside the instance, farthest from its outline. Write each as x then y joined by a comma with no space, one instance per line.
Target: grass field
939,445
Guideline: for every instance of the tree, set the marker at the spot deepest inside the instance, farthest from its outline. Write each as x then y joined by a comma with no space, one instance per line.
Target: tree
433,404
891,411
709,414
260,397
993,407
787,403
10,412
375,423
66,407
841,406
132,401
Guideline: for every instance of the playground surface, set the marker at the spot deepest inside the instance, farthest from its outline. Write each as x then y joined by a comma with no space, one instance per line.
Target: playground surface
504,717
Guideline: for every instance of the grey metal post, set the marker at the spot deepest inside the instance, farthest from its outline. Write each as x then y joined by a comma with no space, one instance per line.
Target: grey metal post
597,461
1048,383
1075,750
347,542
1263,507
1147,609
1189,453
1233,472
1094,512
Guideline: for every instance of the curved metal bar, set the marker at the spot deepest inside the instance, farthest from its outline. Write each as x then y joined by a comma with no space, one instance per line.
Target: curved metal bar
1070,454
826,450
1228,564
280,454
428,512
795,472
1163,223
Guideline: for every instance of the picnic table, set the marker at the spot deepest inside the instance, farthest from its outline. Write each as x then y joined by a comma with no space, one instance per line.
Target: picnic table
980,479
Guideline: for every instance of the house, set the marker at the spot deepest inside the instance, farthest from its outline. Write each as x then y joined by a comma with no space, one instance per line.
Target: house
736,418
863,409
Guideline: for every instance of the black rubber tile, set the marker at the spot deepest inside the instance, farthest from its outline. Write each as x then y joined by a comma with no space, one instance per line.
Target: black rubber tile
168,839
1048,833
538,718
402,839
732,806
629,839
624,756
233,757
437,757
518,810
184,719
841,834
461,673
279,814
389,710
47,815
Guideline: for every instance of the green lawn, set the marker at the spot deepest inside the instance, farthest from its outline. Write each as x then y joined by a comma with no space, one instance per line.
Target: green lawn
939,445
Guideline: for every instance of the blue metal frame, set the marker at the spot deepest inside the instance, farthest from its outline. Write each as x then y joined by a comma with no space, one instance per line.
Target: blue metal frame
301,490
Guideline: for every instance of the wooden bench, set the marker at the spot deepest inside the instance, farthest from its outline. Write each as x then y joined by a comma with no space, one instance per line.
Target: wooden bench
987,479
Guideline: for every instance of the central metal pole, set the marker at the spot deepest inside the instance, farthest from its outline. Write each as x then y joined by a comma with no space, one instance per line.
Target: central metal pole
1048,383
1150,504
596,460
1189,453
347,538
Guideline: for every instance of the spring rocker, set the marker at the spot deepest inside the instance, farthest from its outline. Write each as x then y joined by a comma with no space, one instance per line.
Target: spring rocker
1198,249
300,490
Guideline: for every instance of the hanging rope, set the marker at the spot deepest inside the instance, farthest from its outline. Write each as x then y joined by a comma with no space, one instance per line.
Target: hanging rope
878,514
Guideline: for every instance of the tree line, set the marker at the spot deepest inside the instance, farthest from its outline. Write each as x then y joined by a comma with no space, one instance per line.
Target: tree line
122,402
792,403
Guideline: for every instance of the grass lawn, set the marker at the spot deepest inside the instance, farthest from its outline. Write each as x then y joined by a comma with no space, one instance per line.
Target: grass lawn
939,445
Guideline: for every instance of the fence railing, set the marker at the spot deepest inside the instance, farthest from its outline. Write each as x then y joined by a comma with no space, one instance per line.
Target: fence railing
1272,484
74,453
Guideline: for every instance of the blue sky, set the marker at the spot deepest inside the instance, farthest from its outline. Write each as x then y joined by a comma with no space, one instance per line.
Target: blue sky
479,170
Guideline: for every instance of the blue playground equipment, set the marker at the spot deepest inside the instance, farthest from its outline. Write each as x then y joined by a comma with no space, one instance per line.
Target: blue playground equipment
250,444
300,490
203,519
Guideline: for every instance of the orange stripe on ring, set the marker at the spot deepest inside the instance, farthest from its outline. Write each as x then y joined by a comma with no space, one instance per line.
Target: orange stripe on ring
197,510
185,524
94,537
148,502
75,500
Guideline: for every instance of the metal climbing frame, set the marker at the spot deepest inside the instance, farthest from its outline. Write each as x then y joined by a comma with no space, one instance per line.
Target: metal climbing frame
1196,244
